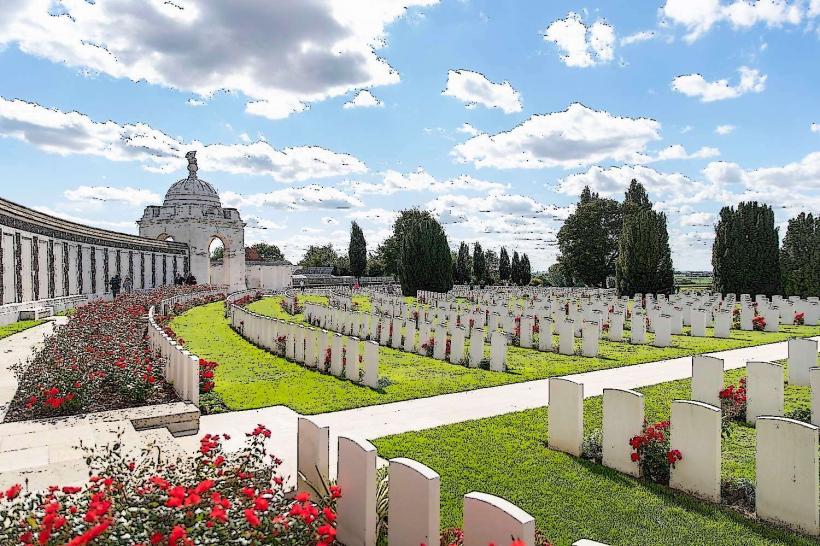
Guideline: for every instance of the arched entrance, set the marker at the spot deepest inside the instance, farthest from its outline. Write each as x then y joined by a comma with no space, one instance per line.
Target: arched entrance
219,264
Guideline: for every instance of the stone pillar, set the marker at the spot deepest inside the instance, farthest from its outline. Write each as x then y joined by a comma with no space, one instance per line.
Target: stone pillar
589,343
409,336
312,456
623,420
498,352
707,379
352,359
764,390
663,330
566,415
723,323
787,469
545,327
802,357
698,323
414,504
336,367
616,326
457,345
356,475
440,345
566,337
637,333
525,325
493,520
371,364
476,347
695,432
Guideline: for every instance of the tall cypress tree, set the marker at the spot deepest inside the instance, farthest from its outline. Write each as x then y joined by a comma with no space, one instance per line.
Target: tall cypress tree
526,271
479,264
745,254
515,269
504,265
425,262
644,261
357,251
800,256
463,263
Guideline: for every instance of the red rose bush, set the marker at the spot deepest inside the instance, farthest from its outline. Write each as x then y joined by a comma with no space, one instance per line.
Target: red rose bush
215,498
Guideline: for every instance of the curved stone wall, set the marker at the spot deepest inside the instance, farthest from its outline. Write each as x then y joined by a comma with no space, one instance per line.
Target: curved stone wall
43,257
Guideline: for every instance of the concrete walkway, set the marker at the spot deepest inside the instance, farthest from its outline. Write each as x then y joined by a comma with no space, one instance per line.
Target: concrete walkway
413,415
19,348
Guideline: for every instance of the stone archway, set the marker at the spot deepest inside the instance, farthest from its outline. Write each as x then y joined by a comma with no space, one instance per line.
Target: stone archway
218,270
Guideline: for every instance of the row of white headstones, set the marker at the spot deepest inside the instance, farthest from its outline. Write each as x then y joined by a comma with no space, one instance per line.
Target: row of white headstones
414,499
787,485
310,346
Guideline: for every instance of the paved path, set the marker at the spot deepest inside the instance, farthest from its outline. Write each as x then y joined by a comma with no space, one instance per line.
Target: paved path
424,413
19,348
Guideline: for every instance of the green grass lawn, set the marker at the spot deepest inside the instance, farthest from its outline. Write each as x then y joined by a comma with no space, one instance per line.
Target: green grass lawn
17,327
251,378
572,498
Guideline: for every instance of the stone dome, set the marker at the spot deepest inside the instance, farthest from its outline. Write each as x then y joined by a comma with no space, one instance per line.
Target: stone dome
192,190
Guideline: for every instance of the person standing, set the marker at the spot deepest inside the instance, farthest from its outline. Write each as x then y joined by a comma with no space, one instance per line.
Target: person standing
115,284
127,284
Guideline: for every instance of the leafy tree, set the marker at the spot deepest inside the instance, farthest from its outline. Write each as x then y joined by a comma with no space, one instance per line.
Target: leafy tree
491,260
644,262
588,240
218,253
800,256
319,256
425,262
387,254
268,252
357,251
515,269
479,264
526,271
745,254
462,264
504,265
556,277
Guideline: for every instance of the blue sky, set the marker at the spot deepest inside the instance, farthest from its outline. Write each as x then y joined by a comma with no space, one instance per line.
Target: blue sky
308,114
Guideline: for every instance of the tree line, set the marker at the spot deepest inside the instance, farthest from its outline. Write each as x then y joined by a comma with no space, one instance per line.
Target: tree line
625,245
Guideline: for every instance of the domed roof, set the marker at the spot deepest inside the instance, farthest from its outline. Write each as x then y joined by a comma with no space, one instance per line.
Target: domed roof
192,190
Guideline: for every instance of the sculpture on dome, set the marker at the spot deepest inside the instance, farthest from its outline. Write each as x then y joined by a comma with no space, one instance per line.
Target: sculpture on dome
192,166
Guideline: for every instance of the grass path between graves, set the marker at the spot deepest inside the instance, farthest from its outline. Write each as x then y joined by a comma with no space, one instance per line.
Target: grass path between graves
250,378
17,327
572,498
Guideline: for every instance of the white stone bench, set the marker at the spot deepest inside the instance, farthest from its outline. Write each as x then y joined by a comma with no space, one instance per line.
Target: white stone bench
36,313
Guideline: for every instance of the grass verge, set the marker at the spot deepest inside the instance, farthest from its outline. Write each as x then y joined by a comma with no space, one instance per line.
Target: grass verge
17,327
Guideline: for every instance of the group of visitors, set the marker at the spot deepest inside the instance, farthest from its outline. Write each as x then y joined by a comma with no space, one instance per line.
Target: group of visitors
126,285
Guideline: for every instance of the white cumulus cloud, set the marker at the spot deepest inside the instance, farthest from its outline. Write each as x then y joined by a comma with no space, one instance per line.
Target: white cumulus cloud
128,195
69,133
699,16
724,129
363,99
281,55
578,136
474,88
580,45
422,181
695,85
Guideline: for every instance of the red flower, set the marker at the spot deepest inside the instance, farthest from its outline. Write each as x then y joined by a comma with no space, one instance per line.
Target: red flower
251,517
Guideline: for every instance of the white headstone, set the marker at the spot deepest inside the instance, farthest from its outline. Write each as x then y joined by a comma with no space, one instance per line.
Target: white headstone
802,357
623,420
414,504
498,352
312,456
476,347
707,379
764,390
356,476
371,364
695,430
566,415
493,520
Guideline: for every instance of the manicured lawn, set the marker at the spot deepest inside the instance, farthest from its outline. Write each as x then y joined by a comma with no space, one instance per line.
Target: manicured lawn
17,327
572,498
251,378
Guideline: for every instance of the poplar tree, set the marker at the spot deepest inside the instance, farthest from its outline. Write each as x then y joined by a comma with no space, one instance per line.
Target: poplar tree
425,262
515,269
479,264
504,265
800,256
357,251
463,264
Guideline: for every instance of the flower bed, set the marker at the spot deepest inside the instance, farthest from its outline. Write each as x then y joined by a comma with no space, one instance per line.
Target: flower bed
214,498
100,360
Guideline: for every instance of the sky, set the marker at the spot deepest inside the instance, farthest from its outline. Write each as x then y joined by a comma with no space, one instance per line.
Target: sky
309,114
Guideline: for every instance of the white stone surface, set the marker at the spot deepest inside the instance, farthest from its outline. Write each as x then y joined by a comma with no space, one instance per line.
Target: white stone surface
802,357
493,520
707,379
787,473
623,411
814,375
764,390
566,415
312,456
695,432
414,505
356,476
